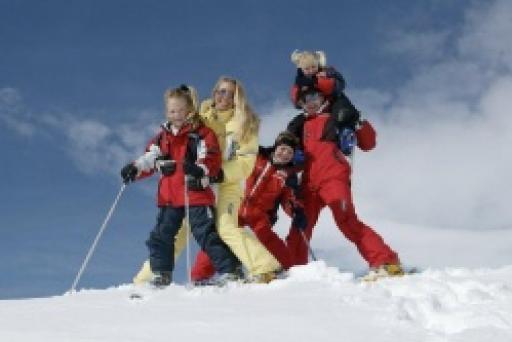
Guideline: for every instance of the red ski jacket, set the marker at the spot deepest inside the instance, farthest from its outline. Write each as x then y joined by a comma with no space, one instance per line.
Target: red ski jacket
323,158
267,187
198,145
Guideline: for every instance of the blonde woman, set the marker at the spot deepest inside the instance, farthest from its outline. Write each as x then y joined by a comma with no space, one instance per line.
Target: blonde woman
229,115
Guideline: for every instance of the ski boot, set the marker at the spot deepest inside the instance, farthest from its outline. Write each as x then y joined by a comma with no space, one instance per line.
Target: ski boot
383,271
265,278
219,279
161,279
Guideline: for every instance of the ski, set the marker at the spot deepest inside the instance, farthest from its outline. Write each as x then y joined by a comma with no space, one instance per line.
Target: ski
374,276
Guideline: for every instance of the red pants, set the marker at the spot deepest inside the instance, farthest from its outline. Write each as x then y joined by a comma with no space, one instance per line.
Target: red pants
202,268
260,224
262,227
337,195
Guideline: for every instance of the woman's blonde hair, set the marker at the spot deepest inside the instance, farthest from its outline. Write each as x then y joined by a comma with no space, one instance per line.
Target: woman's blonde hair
189,95
247,120
304,59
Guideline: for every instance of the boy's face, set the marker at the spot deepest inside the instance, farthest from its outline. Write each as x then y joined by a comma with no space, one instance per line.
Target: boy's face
283,154
311,103
176,112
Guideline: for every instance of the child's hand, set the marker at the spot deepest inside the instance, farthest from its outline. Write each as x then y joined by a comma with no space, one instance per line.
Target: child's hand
129,173
321,74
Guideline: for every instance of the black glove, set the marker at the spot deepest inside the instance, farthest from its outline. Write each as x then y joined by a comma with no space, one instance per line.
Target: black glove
128,173
166,165
299,220
219,178
303,81
193,170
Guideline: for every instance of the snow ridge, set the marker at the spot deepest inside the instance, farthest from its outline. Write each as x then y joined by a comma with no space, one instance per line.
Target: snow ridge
315,303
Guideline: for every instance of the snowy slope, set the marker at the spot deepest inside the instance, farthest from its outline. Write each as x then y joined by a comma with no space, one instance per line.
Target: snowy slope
316,303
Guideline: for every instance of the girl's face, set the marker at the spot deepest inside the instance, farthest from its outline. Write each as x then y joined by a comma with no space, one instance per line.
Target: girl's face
223,96
177,111
310,70
283,154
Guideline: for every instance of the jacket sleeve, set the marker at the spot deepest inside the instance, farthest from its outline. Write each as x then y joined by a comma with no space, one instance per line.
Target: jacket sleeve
366,136
294,93
209,156
240,166
332,84
145,164
339,81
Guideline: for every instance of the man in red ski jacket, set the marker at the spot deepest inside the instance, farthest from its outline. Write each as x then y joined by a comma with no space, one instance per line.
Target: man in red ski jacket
326,182
273,181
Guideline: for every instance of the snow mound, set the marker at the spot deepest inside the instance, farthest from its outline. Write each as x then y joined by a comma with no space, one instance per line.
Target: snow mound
315,303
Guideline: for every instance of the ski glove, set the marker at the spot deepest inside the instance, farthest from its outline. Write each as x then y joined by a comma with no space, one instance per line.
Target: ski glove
166,165
193,170
128,173
347,140
299,220
219,178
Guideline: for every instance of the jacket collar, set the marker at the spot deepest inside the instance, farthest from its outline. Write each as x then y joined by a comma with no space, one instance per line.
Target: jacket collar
222,116
166,126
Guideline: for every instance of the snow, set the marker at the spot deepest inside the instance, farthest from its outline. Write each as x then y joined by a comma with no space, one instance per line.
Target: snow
315,303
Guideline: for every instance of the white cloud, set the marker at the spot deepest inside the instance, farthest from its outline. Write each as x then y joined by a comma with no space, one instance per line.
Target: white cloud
274,119
96,147
422,46
443,156
486,35
12,114
92,145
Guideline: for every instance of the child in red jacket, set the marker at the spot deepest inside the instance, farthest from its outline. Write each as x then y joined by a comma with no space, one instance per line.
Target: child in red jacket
312,72
273,181
186,153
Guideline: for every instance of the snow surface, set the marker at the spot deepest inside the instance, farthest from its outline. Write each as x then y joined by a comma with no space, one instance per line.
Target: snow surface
315,303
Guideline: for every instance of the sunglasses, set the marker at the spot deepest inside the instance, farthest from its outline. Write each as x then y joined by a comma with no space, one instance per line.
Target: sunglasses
224,93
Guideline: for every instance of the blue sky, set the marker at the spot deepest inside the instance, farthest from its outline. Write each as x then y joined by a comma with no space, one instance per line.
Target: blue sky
81,85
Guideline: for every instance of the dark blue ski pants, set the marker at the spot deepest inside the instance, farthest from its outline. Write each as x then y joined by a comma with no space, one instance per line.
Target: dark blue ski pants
202,224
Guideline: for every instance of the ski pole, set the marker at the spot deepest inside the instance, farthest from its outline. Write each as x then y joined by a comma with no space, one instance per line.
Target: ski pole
187,218
98,236
308,244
